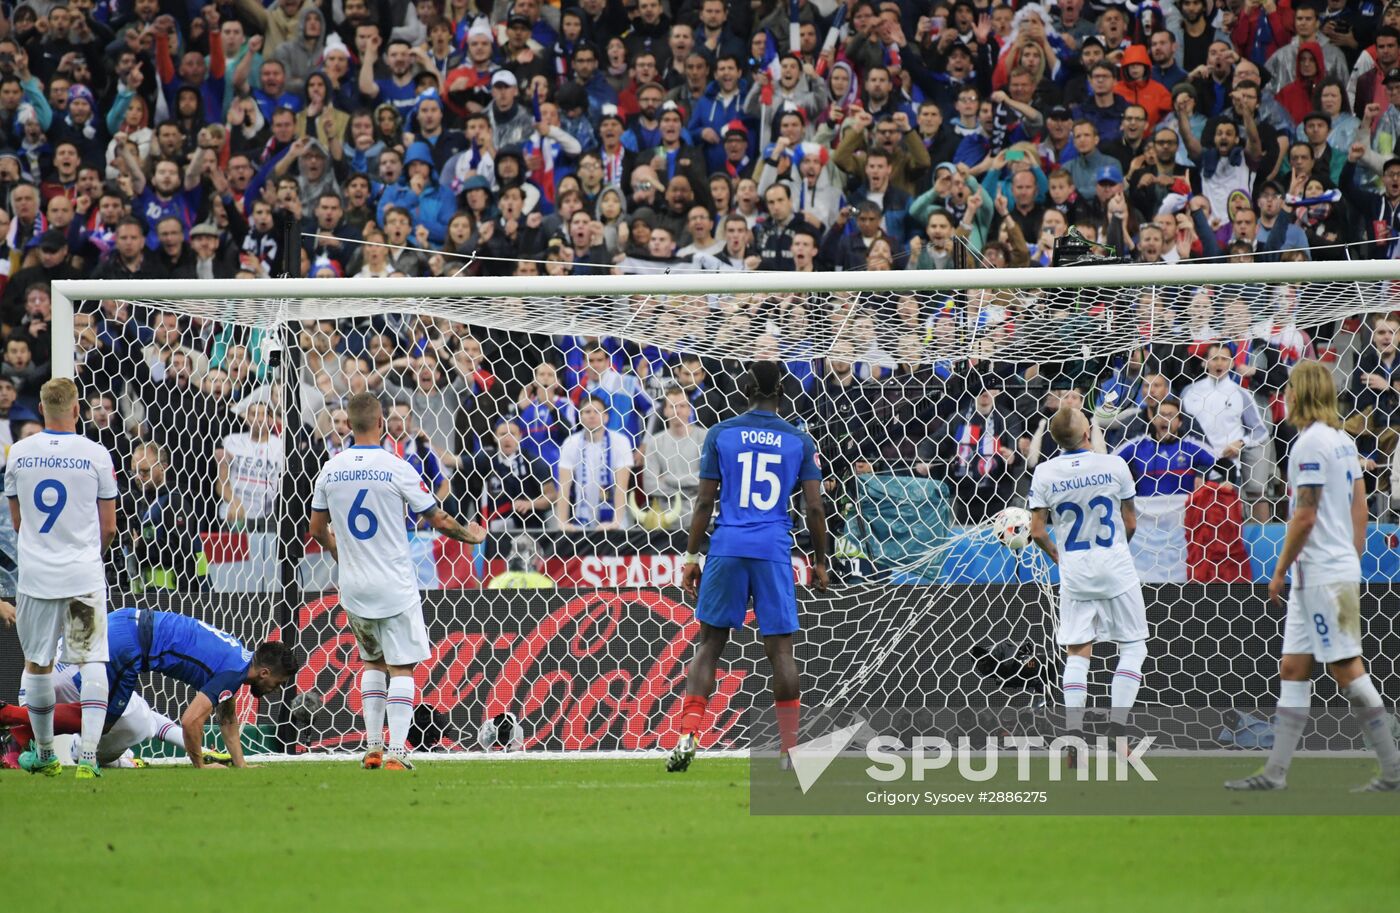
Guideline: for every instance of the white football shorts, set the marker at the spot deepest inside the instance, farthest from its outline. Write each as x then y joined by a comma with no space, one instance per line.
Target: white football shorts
1120,619
1325,620
80,620
399,640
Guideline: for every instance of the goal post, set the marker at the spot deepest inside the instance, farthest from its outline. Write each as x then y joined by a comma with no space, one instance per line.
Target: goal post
926,392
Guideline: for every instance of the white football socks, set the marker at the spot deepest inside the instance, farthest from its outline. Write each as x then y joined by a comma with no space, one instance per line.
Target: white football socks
37,695
399,709
373,693
1075,682
1370,712
1127,678
93,695
167,730
1291,718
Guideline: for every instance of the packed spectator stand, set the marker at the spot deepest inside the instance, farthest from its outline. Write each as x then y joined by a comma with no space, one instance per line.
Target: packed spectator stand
154,139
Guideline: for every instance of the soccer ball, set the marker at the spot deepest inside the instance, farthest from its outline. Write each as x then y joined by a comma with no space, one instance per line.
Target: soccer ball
1013,528
502,733
304,706
1107,409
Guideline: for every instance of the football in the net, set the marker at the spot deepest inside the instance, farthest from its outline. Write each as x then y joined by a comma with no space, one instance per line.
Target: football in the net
501,733
1013,528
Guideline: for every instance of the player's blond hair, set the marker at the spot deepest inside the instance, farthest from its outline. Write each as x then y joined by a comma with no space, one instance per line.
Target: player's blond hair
365,412
1063,430
1311,395
57,396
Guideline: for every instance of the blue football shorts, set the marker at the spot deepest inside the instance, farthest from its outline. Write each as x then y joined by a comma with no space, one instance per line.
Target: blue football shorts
727,584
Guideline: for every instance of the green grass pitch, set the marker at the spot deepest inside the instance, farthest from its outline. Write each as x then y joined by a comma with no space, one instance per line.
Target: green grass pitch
613,835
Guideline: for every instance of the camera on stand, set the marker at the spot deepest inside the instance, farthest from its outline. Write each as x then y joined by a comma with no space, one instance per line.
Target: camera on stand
1076,250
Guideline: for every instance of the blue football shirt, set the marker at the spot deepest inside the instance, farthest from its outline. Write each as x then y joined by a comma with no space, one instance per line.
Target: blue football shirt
1165,469
759,460
203,657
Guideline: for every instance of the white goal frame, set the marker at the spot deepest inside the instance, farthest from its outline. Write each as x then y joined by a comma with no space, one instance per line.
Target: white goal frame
282,301
65,292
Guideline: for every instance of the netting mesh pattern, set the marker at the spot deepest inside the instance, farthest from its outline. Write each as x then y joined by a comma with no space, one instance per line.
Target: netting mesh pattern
928,410
919,327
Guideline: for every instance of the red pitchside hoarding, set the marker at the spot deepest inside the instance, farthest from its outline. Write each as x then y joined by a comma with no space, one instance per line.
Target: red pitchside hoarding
599,669
652,570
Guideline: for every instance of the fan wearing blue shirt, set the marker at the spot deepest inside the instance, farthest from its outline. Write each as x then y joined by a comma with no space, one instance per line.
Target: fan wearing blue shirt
1162,461
399,88
752,464
210,661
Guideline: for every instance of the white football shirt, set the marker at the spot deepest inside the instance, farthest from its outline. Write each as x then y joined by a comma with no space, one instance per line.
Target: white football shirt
368,491
58,478
254,473
595,465
1325,457
1084,492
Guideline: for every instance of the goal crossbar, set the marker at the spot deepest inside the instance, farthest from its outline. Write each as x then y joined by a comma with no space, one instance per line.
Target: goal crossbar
311,299
733,283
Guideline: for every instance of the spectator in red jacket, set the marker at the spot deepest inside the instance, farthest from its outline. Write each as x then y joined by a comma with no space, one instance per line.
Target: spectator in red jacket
1262,27
1136,86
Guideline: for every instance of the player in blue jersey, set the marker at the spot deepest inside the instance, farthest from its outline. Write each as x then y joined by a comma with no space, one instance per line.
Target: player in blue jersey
212,662
752,463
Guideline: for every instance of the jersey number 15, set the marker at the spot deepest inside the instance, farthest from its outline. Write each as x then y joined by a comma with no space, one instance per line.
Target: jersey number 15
756,471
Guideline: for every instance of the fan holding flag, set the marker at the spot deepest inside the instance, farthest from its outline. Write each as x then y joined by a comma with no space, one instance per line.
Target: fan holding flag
548,147
781,84
813,180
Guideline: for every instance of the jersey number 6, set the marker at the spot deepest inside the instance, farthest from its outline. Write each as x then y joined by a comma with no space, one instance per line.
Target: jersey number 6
361,520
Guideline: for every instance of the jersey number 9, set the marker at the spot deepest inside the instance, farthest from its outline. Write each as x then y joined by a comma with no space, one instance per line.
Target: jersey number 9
50,511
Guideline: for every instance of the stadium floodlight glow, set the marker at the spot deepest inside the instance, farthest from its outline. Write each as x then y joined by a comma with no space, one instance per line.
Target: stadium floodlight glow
923,581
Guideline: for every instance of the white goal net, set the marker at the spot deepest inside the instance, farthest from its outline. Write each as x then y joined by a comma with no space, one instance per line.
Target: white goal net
926,392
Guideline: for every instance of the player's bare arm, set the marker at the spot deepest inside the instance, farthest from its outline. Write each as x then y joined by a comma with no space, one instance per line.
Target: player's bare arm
1300,525
322,533
7,613
1129,511
192,725
107,521
472,534
816,529
1040,532
14,513
232,731
699,530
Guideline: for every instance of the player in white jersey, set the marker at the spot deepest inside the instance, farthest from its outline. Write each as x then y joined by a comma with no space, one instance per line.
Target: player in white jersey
1323,544
62,490
357,514
1087,498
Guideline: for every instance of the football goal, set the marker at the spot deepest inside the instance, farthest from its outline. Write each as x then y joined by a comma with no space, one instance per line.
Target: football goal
566,415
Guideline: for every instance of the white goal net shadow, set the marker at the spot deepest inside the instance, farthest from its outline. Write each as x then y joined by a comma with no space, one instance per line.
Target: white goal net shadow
926,393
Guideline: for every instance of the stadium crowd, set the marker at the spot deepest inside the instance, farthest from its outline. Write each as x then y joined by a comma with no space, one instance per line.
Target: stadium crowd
154,138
